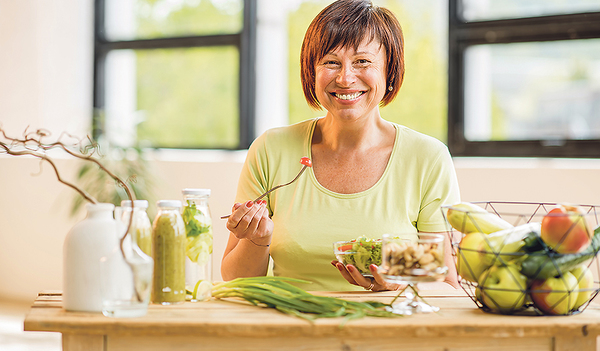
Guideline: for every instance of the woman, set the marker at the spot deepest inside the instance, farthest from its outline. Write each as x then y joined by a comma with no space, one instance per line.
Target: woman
369,176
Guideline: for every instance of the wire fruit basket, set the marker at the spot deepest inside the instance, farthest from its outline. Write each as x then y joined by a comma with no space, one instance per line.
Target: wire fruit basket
526,258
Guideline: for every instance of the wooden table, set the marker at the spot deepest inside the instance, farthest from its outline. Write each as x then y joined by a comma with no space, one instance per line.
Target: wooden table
222,325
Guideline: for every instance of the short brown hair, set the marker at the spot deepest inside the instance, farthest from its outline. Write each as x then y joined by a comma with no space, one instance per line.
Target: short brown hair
346,23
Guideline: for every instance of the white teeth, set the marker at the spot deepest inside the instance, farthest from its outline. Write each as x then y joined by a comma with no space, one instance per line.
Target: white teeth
348,96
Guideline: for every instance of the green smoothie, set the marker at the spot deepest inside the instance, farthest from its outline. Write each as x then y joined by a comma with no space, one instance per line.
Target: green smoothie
143,237
168,247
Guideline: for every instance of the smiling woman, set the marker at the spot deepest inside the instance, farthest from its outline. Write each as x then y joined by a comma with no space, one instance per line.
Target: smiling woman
369,176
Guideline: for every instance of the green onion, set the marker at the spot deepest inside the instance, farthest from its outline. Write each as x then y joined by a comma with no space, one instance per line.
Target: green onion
278,293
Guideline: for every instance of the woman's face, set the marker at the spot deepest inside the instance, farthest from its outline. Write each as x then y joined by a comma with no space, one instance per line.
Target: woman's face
351,83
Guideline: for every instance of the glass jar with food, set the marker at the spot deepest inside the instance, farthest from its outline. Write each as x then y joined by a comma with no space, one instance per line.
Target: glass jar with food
168,251
199,243
141,228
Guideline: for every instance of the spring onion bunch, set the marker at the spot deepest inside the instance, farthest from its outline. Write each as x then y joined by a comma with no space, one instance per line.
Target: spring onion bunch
278,293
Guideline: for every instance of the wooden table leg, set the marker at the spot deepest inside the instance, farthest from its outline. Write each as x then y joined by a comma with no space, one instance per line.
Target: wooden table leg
589,343
84,342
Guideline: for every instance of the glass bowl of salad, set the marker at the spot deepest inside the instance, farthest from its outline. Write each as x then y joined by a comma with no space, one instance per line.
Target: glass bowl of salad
361,253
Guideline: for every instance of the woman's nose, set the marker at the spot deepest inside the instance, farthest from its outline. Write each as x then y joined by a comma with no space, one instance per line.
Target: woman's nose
346,76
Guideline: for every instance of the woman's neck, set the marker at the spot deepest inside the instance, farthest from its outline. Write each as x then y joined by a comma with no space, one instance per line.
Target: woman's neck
339,135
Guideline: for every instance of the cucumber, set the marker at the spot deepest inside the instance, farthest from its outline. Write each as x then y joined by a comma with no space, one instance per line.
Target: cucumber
545,264
533,242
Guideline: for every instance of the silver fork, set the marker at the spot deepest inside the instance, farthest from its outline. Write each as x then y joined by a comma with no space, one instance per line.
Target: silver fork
304,160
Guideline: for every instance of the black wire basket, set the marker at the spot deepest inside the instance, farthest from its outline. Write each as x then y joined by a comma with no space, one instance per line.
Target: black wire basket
506,264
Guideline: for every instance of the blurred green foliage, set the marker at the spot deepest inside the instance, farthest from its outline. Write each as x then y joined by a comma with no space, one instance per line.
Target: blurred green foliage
172,18
189,97
129,164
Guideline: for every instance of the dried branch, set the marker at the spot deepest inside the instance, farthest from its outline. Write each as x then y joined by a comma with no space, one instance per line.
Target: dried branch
43,157
32,144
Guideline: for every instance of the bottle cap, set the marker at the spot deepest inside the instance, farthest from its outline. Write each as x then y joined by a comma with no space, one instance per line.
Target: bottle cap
197,192
168,203
136,203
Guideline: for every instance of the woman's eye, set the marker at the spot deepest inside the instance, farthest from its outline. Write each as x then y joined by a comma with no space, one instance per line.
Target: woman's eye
362,62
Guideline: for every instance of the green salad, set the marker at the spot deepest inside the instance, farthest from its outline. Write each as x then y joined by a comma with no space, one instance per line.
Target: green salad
361,253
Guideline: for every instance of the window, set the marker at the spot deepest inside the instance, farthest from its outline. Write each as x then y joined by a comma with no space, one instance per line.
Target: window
524,78
175,73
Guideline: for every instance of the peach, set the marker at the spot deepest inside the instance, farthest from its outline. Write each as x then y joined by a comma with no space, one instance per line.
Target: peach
565,230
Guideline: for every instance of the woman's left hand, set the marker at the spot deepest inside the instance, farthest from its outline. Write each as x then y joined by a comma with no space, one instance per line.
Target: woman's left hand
354,277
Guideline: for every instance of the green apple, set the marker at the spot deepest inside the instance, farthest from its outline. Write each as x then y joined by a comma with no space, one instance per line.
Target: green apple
555,295
469,264
585,284
502,288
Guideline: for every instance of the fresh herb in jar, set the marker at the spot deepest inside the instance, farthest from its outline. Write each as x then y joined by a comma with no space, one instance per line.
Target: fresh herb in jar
199,234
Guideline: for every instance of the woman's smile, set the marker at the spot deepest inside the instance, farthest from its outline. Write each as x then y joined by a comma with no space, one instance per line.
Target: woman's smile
348,96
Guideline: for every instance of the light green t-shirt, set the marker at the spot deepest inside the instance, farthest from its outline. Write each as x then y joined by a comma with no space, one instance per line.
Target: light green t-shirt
309,218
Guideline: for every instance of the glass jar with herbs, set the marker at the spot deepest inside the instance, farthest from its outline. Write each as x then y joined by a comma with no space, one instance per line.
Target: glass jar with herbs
199,237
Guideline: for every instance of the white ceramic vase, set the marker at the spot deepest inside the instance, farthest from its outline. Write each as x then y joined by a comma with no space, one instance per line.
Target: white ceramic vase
88,241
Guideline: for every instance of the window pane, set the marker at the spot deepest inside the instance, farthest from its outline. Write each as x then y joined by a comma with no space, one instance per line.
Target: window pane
481,10
142,19
178,98
533,91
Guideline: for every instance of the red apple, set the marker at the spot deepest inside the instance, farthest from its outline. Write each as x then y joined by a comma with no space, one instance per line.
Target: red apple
565,230
556,295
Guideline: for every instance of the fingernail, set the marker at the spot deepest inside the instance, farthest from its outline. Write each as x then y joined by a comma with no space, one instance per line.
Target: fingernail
249,204
333,263
350,269
340,268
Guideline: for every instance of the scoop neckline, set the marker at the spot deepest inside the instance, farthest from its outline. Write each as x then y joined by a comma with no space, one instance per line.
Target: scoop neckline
361,193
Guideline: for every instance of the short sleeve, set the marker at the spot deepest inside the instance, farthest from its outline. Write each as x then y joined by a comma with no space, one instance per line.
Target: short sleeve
253,178
441,188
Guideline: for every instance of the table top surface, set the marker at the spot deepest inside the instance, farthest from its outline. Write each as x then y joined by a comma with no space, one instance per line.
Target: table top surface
458,317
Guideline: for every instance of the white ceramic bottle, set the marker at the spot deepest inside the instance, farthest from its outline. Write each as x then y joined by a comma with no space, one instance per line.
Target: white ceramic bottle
87,242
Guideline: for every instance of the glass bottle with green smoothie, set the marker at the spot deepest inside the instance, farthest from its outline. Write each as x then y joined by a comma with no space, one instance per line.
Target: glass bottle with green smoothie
198,230
168,250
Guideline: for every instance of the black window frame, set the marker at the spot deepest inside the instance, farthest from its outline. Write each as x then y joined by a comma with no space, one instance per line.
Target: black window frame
463,34
245,41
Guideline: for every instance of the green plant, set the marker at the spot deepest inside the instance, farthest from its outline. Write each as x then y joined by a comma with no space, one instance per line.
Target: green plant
128,163
280,294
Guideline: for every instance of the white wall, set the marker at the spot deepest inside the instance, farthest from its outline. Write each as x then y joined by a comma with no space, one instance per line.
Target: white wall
45,81
46,59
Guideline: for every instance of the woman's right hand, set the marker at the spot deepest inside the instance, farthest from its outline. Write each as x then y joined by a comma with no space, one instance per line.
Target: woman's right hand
251,221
